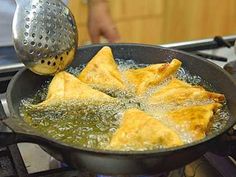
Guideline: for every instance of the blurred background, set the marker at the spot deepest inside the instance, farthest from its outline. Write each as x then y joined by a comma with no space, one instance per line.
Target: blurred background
163,21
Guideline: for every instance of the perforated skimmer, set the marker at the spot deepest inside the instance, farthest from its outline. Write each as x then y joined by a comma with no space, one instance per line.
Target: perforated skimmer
45,35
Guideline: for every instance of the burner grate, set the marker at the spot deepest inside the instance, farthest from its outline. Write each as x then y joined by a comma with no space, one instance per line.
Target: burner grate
6,167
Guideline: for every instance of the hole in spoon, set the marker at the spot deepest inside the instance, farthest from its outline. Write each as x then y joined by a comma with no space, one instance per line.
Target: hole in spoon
38,53
25,42
32,43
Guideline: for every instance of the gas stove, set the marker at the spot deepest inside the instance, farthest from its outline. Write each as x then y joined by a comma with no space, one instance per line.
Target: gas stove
25,159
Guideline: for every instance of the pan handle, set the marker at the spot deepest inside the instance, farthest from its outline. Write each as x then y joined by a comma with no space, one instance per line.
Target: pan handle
7,136
14,130
11,133
226,144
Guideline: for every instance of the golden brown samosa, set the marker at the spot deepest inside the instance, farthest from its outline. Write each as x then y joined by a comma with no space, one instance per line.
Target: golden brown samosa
66,87
139,131
195,119
177,92
102,71
144,78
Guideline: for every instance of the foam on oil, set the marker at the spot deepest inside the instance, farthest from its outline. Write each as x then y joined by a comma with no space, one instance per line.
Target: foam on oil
90,124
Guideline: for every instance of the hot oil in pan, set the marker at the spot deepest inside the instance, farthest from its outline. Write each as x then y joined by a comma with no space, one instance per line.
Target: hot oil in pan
222,116
80,124
92,125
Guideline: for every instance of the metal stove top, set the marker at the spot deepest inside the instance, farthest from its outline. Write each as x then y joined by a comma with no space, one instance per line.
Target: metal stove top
17,160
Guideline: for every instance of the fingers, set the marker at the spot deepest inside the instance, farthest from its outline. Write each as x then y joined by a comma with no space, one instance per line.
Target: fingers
94,34
100,22
111,34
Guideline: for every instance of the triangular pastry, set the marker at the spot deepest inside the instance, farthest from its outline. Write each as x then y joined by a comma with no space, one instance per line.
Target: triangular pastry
195,119
144,78
65,86
178,92
139,131
102,71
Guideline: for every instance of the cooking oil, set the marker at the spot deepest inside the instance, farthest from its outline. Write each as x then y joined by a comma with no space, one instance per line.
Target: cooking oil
91,125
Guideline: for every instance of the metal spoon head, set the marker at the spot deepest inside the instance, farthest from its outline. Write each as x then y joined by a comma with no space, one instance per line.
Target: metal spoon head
45,35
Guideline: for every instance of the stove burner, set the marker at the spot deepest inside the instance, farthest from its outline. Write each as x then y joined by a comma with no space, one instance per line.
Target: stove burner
231,68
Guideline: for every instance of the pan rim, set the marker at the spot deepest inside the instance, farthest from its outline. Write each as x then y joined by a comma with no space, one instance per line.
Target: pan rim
129,153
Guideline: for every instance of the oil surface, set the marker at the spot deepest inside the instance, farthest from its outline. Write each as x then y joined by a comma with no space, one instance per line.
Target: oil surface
91,125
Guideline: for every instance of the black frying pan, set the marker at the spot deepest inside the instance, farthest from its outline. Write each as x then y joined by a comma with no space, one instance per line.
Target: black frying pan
26,83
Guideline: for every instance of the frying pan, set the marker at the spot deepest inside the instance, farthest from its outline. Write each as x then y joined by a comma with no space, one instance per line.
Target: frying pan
25,84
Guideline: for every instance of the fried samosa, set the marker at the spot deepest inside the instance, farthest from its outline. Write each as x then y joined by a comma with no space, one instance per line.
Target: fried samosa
178,92
195,119
144,78
139,131
102,71
65,86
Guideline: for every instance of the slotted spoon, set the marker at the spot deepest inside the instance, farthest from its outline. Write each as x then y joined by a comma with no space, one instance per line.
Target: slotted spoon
45,35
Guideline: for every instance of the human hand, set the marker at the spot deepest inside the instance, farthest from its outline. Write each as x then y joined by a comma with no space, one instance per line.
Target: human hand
100,22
